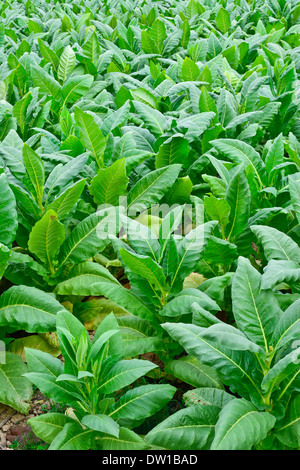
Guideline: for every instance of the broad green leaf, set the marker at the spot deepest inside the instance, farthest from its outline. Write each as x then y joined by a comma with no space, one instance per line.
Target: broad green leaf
20,111
233,367
141,402
155,121
15,390
103,283
28,309
276,244
190,249
223,20
110,183
242,153
36,172
255,312
189,71
62,204
46,83
75,87
46,237
145,267
88,238
289,429
72,437
66,64
8,213
123,374
285,367
230,337
280,271
238,197
288,326
190,370
152,187
183,302
188,429
217,209
128,440
47,426
101,423
91,135
241,426
207,396
294,188
173,150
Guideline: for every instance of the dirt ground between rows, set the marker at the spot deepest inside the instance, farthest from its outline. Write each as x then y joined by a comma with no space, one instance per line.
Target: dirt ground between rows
15,433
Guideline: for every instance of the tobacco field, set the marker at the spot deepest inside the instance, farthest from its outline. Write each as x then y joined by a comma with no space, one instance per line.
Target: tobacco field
150,222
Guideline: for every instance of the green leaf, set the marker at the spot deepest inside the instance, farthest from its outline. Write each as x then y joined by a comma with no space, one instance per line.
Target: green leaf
72,437
190,71
190,249
294,188
101,423
275,154
46,237
255,312
190,370
288,326
279,271
103,283
47,426
223,20
217,209
35,169
20,111
141,402
207,396
91,135
45,82
242,153
29,309
173,150
241,426
188,429
239,198
145,267
110,183
289,430
183,302
233,367
15,390
282,369
276,244
152,187
4,257
123,374
128,440
66,64
67,199
76,87
155,121
230,337
8,213
88,238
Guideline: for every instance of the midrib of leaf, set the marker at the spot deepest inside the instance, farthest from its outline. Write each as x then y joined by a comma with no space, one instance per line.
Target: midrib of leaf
228,358
148,187
257,314
127,371
131,401
234,424
81,239
288,385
